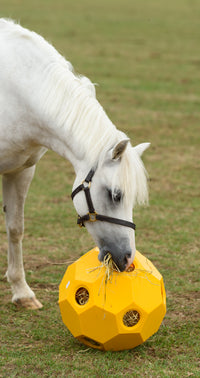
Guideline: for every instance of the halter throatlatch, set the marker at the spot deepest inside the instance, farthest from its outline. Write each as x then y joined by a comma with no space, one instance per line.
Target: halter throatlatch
92,215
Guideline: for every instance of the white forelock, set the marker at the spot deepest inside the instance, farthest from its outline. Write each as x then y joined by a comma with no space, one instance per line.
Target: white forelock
133,178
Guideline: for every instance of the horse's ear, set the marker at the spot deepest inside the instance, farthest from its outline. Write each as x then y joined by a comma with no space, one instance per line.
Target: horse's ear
140,148
119,149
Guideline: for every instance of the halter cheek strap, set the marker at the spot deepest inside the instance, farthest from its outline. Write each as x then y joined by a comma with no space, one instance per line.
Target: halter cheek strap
92,216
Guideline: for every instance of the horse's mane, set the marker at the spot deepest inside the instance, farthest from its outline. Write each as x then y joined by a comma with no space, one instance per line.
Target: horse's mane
75,106
71,100
68,100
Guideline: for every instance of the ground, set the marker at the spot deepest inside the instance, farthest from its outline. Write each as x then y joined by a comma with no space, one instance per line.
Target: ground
145,57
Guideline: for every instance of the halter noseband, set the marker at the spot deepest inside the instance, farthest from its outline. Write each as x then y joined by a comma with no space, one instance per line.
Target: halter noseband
92,216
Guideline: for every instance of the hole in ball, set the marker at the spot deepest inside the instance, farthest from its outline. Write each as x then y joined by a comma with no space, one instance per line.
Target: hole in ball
131,268
131,318
82,296
91,342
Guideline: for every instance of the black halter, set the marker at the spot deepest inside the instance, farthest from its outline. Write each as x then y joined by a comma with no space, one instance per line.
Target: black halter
92,216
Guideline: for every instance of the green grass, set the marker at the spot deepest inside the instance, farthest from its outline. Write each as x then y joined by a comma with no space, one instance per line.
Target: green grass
145,56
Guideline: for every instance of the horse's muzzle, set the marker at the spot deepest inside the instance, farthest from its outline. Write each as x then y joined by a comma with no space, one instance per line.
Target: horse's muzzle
121,256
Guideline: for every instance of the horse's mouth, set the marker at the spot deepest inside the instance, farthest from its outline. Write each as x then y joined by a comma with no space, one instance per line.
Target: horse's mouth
120,261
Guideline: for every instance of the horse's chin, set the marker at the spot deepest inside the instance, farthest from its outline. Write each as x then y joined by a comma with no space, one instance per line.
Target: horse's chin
100,255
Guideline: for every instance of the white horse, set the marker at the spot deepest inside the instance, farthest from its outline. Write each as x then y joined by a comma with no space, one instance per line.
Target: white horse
44,105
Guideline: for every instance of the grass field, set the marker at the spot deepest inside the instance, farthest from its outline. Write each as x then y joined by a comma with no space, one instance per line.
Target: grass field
145,56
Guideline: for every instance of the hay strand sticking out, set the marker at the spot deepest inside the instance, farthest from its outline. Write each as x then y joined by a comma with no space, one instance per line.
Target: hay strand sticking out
110,267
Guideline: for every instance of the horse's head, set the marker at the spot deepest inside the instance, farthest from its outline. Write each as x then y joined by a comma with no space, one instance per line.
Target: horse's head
109,193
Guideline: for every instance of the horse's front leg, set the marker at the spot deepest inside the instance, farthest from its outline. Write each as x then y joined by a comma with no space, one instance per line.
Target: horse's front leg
15,188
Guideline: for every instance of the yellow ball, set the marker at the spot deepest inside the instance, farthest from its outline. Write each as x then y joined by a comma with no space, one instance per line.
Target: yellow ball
113,312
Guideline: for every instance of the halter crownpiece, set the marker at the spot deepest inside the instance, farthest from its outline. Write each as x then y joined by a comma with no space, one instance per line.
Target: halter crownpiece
92,215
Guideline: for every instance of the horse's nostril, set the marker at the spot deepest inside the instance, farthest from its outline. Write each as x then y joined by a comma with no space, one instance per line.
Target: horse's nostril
127,256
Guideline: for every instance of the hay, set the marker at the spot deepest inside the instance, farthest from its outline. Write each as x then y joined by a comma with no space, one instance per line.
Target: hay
109,266
131,318
82,296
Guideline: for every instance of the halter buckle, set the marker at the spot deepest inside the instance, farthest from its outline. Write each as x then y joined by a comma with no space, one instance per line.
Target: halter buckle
92,217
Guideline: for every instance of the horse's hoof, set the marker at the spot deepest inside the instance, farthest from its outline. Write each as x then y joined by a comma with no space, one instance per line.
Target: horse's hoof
28,303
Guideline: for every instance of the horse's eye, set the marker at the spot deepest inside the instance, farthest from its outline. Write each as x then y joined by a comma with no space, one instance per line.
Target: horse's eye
114,197
117,196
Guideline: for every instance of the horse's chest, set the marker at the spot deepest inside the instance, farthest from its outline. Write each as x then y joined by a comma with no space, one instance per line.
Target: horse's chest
14,161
